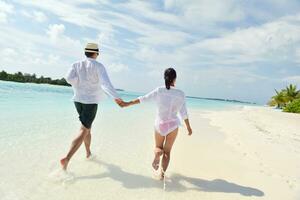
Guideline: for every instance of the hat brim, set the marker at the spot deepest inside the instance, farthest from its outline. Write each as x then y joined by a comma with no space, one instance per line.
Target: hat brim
91,51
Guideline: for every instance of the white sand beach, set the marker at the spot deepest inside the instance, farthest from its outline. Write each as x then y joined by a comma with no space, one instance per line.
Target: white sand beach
234,153
256,156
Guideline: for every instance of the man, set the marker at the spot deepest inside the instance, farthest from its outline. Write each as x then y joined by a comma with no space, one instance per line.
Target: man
88,79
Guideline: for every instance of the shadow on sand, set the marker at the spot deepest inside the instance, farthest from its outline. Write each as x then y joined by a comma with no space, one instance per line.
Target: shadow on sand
134,181
216,185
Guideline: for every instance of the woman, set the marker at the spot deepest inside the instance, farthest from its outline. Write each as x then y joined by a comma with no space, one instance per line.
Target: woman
170,102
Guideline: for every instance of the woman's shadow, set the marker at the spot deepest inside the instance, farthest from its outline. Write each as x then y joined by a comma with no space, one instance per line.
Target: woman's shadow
133,181
216,185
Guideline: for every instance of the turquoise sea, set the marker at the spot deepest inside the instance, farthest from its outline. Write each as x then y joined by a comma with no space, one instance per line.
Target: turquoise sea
21,98
37,125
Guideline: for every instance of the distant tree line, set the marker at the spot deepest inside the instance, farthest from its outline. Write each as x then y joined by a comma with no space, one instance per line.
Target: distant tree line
31,78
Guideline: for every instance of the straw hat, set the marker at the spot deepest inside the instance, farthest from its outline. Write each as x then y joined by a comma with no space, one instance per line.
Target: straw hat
92,48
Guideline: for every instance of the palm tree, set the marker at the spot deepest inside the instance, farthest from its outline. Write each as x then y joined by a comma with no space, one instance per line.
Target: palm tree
272,102
280,98
291,92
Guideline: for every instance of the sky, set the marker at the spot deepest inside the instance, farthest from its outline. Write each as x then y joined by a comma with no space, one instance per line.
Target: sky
232,49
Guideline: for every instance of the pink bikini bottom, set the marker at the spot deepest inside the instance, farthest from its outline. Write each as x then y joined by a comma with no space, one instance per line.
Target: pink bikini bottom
164,128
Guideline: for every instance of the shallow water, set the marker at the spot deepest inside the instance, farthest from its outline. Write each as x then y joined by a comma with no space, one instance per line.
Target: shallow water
37,125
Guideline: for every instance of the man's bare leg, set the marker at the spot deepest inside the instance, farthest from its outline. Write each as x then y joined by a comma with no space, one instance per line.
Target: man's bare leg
170,139
74,147
87,143
158,151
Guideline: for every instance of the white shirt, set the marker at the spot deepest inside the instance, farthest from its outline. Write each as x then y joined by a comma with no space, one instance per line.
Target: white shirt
171,103
89,80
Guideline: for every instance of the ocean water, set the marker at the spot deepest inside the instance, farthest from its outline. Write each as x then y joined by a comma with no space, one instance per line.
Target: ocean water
37,125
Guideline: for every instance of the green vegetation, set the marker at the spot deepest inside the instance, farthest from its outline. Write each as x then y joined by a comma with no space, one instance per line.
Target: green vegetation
293,107
287,99
28,78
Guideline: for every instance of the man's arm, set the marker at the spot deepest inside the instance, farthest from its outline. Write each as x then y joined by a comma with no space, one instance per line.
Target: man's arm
108,88
72,76
106,85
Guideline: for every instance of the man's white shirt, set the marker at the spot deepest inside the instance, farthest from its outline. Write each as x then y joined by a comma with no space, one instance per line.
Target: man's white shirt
90,81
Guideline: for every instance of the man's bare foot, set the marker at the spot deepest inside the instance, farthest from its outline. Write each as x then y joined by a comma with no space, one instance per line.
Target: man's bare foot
157,153
64,163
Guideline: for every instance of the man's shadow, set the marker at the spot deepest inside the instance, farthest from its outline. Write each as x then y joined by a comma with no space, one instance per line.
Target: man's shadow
133,181
127,179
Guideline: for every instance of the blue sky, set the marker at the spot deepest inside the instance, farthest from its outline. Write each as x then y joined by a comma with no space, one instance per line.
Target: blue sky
220,48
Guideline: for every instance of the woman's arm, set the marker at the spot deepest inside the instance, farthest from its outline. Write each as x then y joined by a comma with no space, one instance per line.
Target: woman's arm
184,116
133,102
188,126
146,98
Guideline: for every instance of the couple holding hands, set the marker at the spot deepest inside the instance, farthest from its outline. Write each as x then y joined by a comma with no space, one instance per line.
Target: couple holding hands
89,79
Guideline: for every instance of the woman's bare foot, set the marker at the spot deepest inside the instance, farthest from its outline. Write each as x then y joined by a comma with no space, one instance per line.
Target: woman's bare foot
162,176
88,154
64,163
157,153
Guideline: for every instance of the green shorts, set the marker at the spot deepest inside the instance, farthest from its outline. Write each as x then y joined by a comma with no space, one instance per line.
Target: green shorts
87,113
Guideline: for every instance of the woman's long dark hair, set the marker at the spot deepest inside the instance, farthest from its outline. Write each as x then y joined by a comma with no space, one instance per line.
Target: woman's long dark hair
170,76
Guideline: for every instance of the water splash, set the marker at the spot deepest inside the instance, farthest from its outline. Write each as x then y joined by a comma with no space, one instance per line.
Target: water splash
61,176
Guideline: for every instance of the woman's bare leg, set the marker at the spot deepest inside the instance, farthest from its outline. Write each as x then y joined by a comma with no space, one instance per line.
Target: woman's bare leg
158,151
87,143
170,139
74,147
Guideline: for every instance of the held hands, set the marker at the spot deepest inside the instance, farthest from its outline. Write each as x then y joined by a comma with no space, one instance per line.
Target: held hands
122,103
